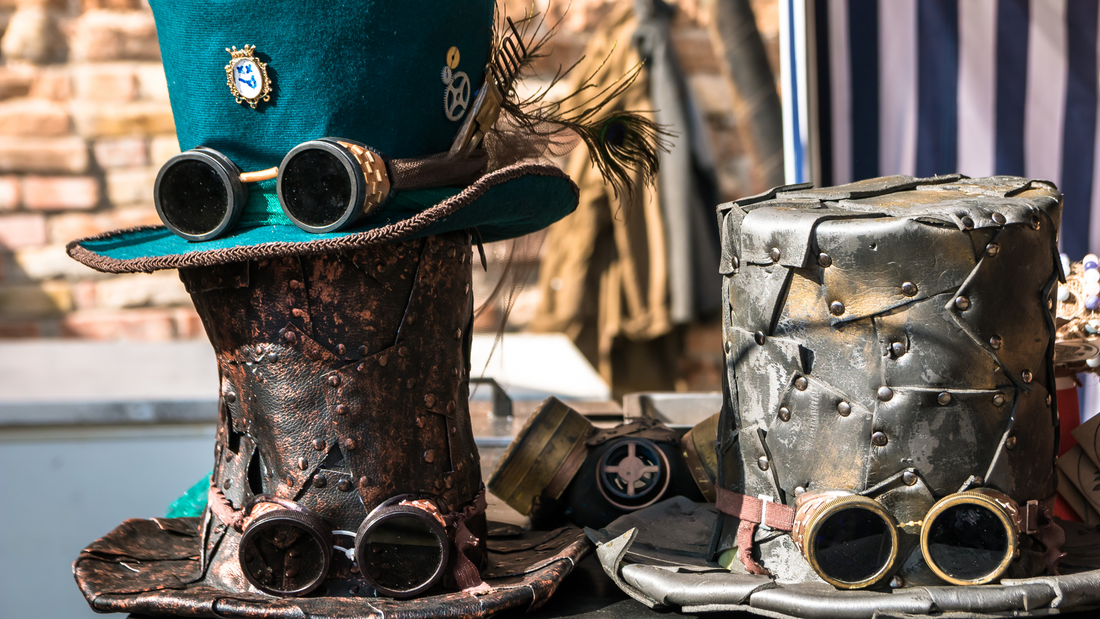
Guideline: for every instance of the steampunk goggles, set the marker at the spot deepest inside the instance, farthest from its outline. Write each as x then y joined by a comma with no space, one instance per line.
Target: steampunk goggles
401,548
852,541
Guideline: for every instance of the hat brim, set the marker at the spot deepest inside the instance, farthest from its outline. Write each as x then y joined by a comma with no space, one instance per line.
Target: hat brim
671,571
503,204
152,567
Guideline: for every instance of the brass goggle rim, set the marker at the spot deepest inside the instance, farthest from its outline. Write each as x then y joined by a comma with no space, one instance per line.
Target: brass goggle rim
356,158
813,511
265,508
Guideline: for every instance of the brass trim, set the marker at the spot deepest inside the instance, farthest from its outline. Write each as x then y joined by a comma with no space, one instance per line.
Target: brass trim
259,175
702,459
374,171
1001,505
814,508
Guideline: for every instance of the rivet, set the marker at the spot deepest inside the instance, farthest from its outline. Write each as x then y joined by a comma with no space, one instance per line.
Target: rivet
1035,225
290,482
1048,399
454,371
897,582
318,444
354,569
451,406
291,572
227,483
458,334
992,249
420,422
885,393
454,430
438,485
429,456
303,463
799,490
729,346
824,260
354,589
909,289
999,219
383,360
909,477
364,481
736,262
411,318
273,358
297,313
1026,375
345,485
320,481
999,400
784,413
467,289
968,222
402,352
897,348
230,397
878,439
341,349
448,481
334,381
995,342
363,351
801,383
295,553
843,408
349,444
977,481
1010,442
775,254
944,398
837,308
759,337
762,463
290,336
295,284
341,409
411,383
962,303
429,400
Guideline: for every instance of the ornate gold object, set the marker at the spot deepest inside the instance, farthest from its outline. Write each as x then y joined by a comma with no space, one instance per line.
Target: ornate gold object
698,450
246,76
374,170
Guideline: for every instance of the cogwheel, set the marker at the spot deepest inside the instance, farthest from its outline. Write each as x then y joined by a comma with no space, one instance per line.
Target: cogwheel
447,76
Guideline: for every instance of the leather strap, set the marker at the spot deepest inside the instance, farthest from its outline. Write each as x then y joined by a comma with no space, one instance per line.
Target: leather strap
752,511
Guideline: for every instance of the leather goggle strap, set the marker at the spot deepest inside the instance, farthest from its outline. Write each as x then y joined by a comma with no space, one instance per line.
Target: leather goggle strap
751,511
466,573
438,171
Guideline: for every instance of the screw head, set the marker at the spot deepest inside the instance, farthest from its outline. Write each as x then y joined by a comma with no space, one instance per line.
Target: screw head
774,254
303,463
1010,442
885,393
762,463
999,400
320,481
995,342
801,383
968,222
909,289
962,303
345,485
290,336
784,413
230,397
318,444
878,439
943,398
341,409
992,249
824,260
759,337
1026,375
334,381
844,408
909,477
897,348
736,262
836,308
998,219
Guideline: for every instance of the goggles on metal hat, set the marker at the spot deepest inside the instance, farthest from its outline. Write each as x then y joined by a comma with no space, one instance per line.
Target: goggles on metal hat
852,541
401,548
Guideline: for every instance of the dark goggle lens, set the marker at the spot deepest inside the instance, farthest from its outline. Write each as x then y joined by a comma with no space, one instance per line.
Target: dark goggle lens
967,542
192,197
402,553
852,545
316,187
284,556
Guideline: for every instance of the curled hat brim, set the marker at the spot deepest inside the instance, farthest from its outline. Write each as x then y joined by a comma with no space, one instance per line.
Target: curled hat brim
507,203
152,567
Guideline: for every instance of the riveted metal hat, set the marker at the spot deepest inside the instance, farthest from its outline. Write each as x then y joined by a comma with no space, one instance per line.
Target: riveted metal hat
888,422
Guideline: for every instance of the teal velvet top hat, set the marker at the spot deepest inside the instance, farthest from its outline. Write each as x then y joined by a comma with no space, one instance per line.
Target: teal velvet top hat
397,80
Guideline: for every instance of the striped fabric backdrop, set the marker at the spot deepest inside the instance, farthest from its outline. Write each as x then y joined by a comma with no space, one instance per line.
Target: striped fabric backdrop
981,87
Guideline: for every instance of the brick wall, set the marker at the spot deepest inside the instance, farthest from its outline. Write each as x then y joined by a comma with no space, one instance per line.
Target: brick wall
85,124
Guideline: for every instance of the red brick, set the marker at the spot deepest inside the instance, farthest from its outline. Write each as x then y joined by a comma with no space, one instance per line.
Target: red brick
143,324
188,324
43,299
97,120
105,82
152,85
53,83
33,117
84,294
70,226
14,83
32,34
9,193
60,193
131,186
90,5
121,152
19,329
22,230
114,35
65,155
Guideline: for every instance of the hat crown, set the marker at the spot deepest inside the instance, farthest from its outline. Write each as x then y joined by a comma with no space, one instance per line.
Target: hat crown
366,71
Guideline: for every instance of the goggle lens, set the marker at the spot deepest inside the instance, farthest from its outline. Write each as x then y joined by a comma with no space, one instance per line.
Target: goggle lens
853,545
193,197
402,551
316,187
286,553
968,542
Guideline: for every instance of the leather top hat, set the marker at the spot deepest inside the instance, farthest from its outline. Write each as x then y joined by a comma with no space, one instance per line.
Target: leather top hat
310,127
340,158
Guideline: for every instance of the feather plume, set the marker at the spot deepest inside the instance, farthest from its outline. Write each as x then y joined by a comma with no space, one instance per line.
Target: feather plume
619,141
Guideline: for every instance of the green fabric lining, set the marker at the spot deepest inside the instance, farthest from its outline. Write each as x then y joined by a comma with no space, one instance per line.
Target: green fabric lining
193,502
